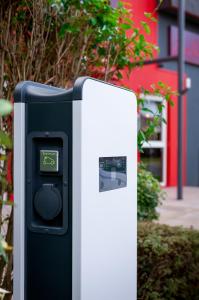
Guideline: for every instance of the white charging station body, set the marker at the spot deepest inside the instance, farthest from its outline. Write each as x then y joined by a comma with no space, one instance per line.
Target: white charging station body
102,213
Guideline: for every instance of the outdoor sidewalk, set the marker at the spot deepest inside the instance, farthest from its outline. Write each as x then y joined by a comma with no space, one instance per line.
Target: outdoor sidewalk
180,212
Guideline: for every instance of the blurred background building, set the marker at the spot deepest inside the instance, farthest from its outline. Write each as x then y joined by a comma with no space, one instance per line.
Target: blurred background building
160,154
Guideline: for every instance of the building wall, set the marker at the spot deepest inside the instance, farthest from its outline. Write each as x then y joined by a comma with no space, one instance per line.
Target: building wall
152,74
192,111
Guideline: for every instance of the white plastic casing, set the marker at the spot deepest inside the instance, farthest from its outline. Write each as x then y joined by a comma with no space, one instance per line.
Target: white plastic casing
104,223
19,201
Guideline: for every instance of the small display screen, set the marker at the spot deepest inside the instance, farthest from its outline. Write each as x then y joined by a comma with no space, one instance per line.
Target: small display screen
112,173
49,161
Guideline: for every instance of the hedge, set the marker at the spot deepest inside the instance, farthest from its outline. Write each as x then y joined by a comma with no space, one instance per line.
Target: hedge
168,262
149,193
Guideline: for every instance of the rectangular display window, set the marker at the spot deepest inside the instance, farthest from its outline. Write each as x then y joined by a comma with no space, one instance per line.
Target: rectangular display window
112,173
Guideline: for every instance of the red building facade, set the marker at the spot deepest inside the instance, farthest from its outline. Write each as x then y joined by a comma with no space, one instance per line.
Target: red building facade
161,153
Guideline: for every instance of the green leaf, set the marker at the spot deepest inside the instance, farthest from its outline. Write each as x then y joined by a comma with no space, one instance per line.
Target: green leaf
119,75
93,21
5,107
161,84
102,51
68,28
146,27
160,107
125,26
148,15
171,102
153,19
120,4
5,140
141,136
2,251
147,110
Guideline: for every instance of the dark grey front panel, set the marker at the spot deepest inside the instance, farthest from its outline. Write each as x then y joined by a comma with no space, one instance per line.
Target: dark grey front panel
48,245
192,111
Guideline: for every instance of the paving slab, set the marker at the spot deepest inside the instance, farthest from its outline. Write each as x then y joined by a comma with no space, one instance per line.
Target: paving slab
180,212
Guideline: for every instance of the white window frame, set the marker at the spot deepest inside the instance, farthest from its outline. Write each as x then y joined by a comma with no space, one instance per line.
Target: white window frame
163,143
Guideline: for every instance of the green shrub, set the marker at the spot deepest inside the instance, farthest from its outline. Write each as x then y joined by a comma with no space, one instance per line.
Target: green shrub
168,262
149,194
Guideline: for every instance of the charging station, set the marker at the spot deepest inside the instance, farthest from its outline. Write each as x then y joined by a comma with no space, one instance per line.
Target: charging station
75,188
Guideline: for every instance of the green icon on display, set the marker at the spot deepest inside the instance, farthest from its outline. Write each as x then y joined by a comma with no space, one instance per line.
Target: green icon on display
49,161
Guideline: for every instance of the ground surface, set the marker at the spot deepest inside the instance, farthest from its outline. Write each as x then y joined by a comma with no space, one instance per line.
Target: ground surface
180,212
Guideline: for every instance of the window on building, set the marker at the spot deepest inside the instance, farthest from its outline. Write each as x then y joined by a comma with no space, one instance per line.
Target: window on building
154,155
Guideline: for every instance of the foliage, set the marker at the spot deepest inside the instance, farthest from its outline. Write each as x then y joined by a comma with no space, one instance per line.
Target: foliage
41,37
111,41
60,40
2,248
6,143
168,262
149,194
5,107
161,90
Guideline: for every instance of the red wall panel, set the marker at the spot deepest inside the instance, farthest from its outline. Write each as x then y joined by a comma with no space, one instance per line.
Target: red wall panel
144,77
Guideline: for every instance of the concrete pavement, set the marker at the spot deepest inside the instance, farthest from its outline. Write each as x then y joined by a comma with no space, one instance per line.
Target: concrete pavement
180,212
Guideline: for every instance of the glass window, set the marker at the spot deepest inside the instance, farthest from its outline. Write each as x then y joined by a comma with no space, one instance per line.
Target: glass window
146,116
154,155
153,159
